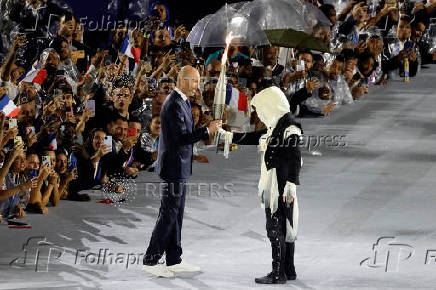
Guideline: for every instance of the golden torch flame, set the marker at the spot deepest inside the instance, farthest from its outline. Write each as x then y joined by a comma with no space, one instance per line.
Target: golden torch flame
226,51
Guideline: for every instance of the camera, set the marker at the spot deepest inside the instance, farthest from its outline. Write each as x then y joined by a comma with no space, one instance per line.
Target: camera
155,13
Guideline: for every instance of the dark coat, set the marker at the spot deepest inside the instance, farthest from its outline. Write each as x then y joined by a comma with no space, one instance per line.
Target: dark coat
283,152
177,134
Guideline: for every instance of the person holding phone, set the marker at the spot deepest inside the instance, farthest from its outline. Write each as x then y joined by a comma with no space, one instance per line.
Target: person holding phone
133,132
16,189
386,16
50,185
145,150
89,169
298,86
354,23
399,50
121,150
66,174
42,172
11,70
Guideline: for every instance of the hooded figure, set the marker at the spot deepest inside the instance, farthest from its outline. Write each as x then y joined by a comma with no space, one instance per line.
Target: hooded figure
281,162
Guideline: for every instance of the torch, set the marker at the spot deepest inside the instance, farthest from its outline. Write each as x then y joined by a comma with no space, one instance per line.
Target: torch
219,100
220,89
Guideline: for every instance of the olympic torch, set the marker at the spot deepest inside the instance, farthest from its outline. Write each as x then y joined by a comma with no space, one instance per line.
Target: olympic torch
219,100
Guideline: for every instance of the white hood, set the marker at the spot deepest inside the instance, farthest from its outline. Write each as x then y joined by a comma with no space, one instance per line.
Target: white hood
271,104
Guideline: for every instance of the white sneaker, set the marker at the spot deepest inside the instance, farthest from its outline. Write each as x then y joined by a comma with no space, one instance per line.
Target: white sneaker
183,267
158,270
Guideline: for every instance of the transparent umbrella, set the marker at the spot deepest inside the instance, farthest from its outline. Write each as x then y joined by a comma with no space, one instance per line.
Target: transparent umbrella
211,31
276,14
314,16
311,14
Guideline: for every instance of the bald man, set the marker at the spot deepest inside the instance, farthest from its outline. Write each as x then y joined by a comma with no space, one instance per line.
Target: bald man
174,166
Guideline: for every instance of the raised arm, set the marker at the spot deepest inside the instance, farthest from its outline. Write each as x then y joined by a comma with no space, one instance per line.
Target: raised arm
250,138
175,121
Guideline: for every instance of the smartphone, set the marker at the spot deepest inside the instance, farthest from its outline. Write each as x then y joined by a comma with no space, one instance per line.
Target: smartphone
155,13
107,60
131,132
186,45
409,45
12,123
242,82
60,72
72,163
18,140
177,50
30,130
57,98
363,37
301,66
58,92
152,83
79,109
90,106
199,62
33,173
108,141
46,160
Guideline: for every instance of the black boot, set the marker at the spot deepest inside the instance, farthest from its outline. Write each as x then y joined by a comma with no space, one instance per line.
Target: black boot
289,262
278,249
275,277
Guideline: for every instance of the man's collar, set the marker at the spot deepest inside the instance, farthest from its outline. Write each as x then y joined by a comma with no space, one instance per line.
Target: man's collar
181,93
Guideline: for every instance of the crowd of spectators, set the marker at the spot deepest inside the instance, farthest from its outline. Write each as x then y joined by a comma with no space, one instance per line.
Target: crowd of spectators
89,113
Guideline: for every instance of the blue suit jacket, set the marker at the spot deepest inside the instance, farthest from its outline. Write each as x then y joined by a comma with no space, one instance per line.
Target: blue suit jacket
177,135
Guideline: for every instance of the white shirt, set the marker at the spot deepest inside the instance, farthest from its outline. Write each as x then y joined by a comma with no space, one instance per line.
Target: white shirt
184,97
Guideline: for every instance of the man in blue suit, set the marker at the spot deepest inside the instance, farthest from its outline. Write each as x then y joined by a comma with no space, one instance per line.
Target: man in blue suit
174,166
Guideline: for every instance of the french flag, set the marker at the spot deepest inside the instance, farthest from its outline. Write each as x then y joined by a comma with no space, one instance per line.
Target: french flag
129,162
8,107
34,76
236,99
130,51
52,142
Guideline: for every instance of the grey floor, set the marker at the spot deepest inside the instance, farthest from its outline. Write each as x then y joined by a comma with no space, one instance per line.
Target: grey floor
380,184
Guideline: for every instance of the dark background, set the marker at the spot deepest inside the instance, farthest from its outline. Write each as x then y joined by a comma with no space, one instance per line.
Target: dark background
181,12
186,12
